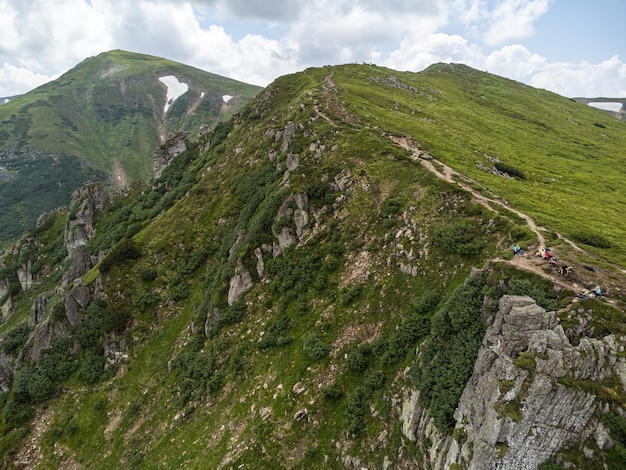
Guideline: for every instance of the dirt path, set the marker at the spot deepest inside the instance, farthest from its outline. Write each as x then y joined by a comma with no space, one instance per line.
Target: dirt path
451,176
528,262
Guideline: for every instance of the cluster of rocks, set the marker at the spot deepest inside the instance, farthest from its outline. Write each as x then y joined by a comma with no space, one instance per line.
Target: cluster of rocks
516,411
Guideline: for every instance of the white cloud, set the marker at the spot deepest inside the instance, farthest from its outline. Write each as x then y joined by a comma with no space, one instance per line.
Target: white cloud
515,61
15,80
44,38
607,78
439,47
513,19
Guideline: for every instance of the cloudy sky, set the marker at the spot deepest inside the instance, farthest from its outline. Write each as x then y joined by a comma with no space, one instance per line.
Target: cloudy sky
572,47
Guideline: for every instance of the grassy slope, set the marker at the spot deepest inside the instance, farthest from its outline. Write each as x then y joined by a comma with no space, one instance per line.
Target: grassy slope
574,169
343,284
107,113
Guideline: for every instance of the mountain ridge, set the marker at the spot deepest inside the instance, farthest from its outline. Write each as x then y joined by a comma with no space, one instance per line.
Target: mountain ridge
326,280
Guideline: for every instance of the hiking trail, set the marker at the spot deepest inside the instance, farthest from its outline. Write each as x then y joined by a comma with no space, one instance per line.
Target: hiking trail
527,262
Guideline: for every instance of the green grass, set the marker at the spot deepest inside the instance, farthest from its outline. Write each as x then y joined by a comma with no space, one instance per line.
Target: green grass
332,309
103,115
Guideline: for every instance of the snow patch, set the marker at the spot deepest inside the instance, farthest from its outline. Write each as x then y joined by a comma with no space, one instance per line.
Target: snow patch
615,107
175,89
227,98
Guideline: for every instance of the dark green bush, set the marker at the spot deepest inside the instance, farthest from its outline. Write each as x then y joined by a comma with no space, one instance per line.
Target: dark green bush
123,251
356,406
551,465
357,360
88,333
315,348
591,238
17,414
332,392
144,299
458,238
448,355
545,296
91,369
15,338
426,301
320,192
375,380
509,170
390,208
148,274
115,319
349,294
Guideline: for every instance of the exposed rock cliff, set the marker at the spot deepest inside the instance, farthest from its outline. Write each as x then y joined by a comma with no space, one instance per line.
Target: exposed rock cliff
89,199
527,397
165,153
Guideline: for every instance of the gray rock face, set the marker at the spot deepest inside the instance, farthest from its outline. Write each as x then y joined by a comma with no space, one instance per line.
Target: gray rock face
75,303
293,161
90,198
5,308
5,176
290,130
164,154
260,264
39,309
291,222
239,284
82,262
41,339
513,410
25,276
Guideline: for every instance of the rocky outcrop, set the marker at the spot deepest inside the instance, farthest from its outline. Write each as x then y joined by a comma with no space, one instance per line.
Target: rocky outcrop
288,133
527,397
42,338
291,222
417,425
165,153
5,176
5,307
75,303
39,309
240,283
82,262
89,199
25,275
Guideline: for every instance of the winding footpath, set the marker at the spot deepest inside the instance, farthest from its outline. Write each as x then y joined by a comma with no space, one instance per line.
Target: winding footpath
528,263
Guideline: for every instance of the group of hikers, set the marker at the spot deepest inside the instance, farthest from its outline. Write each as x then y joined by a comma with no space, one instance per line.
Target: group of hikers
563,269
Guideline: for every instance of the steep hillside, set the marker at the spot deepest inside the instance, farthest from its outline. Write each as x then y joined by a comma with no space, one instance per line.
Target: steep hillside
328,281
101,121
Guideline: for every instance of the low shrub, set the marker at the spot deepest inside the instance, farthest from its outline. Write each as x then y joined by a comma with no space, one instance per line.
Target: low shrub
15,338
315,348
458,238
509,170
591,238
123,251
355,410
332,392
